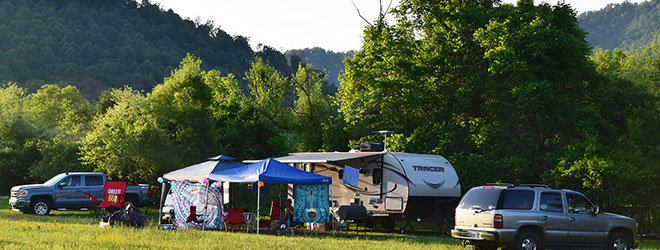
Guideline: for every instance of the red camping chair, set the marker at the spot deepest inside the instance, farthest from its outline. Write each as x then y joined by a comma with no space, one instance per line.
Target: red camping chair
114,196
274,215
234,218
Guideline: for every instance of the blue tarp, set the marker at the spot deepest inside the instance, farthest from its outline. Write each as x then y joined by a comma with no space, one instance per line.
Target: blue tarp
351,175
269,171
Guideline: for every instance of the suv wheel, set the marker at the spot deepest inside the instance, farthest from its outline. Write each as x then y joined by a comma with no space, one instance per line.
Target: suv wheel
527,240
618,241
40,207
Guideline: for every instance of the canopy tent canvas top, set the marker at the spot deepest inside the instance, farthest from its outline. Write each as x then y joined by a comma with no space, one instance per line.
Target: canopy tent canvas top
200,171
221,158
269,171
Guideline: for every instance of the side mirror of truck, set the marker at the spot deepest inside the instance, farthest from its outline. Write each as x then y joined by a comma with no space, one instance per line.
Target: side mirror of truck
61,185
596,210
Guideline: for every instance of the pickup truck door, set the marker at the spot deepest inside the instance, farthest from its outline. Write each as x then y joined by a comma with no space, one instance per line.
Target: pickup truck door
69,193
553,217
94,186
583,225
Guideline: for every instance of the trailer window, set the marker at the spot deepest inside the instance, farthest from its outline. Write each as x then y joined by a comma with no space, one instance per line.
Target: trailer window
481,198
377,176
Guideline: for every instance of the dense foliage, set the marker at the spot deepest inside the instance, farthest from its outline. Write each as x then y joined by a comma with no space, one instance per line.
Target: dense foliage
506,93
622,25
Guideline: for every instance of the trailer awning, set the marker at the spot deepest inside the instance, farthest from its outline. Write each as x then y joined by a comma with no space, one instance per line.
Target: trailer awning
322,157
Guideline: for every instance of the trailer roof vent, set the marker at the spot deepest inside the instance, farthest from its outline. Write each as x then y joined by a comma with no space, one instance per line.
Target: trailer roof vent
371,147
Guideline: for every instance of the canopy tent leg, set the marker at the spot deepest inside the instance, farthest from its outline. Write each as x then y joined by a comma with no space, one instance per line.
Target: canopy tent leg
332,206
206,204
162,196
258,201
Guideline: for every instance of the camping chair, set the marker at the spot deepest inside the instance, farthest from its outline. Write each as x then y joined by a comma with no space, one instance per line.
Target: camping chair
250,222
192,217
274,216
114,197
234,218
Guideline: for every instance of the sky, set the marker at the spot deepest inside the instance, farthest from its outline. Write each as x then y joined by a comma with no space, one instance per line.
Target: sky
296,24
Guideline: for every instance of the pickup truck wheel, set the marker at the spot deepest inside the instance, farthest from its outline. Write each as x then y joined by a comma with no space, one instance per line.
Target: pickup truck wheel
527,240
40,207
618,241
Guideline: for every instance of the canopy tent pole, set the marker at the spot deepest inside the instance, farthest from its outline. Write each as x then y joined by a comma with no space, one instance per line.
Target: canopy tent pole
258,201
206,203
160,210
332,206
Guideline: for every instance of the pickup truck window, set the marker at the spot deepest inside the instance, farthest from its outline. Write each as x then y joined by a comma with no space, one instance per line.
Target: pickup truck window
516,199
578,204
56,179
551,202
93,180
72,181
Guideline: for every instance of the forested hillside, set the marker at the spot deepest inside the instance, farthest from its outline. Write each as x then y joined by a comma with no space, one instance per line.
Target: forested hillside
99,44
622,25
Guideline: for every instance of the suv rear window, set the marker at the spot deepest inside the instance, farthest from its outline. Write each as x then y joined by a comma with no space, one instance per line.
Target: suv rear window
480,198
516,199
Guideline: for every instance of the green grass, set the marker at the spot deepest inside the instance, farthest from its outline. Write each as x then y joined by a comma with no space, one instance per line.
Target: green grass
67,229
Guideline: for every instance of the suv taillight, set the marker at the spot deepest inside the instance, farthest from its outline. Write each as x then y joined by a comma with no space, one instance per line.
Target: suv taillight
149,192
499,221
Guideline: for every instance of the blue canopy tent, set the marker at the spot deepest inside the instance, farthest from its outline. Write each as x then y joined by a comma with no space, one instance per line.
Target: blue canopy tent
269,171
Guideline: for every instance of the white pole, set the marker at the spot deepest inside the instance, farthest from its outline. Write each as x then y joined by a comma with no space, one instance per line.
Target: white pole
332,205
206,205
258,200
162,198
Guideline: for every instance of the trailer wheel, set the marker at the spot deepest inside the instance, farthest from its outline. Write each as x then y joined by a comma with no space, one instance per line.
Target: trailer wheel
406,228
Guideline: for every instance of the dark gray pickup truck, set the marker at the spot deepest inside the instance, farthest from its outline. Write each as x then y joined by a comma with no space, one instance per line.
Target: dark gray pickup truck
66,191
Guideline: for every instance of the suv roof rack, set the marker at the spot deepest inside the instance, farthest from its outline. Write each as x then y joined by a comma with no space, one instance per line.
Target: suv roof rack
500,184
534,185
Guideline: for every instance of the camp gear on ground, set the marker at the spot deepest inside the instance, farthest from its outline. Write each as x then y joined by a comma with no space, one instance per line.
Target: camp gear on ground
128,215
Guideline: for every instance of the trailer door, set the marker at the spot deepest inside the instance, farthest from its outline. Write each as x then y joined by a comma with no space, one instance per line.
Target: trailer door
394,185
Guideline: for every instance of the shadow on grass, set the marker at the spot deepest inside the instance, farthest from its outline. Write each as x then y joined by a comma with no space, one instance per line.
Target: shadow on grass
372,236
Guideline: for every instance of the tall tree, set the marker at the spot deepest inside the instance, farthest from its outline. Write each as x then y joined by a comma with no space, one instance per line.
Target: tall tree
181,107
311,108
62,116
127,143
17,153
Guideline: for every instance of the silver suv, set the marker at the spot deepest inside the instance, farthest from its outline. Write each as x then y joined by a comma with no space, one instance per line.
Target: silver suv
534,217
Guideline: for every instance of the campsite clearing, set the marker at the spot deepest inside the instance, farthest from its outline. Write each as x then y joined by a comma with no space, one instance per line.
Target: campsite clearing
65,229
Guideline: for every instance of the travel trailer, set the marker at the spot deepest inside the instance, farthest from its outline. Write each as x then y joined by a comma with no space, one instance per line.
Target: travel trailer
412,187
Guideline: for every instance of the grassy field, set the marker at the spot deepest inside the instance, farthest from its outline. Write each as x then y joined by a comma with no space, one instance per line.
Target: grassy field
64,229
